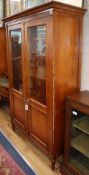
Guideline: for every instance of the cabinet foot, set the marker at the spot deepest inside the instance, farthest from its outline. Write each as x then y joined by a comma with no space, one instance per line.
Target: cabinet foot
53,162
13,126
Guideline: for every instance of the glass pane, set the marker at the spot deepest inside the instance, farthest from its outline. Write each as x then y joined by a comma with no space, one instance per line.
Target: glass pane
37,58
16,43
15,6
7,8
79,148
32,3
1,9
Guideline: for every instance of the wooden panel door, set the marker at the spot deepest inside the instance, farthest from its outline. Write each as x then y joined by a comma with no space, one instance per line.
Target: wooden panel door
16,67
39,80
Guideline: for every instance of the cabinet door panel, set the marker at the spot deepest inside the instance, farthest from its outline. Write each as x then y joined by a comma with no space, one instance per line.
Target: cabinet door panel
38,126
19,112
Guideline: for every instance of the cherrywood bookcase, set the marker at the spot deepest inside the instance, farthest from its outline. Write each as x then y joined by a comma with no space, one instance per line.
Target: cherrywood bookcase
76,144
44,60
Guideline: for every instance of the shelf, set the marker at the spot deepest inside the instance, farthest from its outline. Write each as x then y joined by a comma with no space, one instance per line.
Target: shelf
79,166
81,143
37,39
4,82
17,58
38,78
82,124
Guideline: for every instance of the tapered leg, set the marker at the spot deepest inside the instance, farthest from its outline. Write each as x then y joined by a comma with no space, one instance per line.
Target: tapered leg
53,162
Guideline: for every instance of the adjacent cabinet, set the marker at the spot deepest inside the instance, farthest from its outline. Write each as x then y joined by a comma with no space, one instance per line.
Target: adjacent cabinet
76,148
44,61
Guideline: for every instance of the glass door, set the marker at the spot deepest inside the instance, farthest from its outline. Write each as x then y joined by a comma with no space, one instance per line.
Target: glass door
38,78
37,63
16,48
79,144
32,3
16,74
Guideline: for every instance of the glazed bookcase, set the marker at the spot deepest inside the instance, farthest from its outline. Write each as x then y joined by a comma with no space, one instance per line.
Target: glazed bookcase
44,61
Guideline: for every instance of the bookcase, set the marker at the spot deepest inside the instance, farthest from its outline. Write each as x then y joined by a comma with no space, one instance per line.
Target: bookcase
44,63
76,145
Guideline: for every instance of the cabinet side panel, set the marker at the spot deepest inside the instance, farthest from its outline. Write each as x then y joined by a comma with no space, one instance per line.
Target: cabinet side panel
3,56
66,58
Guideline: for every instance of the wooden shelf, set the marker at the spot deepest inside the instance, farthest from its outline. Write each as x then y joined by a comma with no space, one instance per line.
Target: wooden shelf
82,124
81,143
79,166
4,82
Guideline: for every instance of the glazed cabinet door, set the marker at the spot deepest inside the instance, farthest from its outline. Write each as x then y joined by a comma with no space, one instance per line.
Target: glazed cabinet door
79,148
76,147
16,74
39,77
